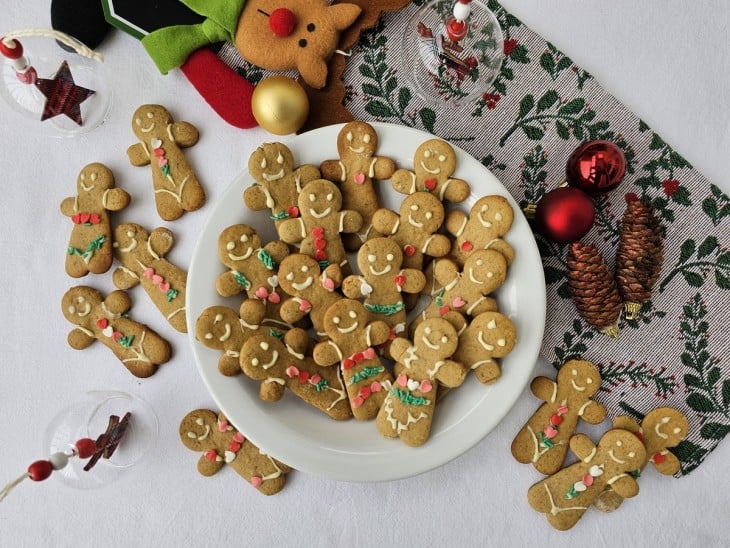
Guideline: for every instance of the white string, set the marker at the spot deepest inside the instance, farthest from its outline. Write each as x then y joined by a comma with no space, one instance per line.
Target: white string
10,486
71,42
345,53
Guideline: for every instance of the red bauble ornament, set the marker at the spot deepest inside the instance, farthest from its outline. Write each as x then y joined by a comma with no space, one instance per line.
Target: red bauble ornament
564,215
596,167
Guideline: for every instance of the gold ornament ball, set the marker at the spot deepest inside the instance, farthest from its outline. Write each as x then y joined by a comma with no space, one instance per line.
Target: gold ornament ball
280,105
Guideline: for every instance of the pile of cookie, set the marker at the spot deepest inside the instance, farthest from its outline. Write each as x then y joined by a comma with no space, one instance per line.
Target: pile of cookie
356,339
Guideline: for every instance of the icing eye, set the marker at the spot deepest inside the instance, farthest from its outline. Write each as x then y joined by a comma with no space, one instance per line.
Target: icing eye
497,216
138,121
130,234
208,336
244,237
589,381
389,257
312,197
414,207
303,43
574,372
349,136
71,309
427,154
427,331
429,215
444,339
366,139
290,276
484,208
305,268
79,300
199,421
677,430
264,345
480,262
352,314
230,246
619,443
263,163
218,317
442,158
665,420
336,320
280,159
330,196
371,258
150,115
311,27
632,455
255,362
93,177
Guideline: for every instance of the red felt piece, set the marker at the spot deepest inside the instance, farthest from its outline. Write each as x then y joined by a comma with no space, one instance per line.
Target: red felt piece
228,93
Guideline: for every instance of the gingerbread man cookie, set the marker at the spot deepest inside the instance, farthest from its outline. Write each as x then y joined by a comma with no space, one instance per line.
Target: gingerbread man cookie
566,495
660,430
543,441
288,363
321,223
434,163
139,348
415,228
383,282
312,290
408,409
351,343
90,244
142,255
488,336
278,182
489,219
202,431
252,268
222,328
466,291
358,165
176,186
305,42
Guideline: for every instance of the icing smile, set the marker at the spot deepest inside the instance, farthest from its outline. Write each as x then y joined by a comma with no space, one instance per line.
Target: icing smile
241,257
379,272
226,334
357,150
485,345
414,223
87,188
483,221
304,285
274,357
473,278
131,247
615,458
148,128
345,330
273,177
316,215
577,387
202,436
430,344
434,171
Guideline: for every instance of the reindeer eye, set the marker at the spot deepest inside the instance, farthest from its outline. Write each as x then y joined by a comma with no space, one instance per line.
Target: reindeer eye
303,43
311,27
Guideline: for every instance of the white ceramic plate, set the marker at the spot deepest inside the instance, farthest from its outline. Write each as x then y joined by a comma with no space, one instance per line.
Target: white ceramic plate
307,439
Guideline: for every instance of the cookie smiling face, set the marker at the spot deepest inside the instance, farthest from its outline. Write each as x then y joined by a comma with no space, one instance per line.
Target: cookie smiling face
379,257
150,121
214,328
357,138
623,450
581,377
76,306
486,269
345,317
434,158
297,273
239,241
436,338
94,177
319,199
270,162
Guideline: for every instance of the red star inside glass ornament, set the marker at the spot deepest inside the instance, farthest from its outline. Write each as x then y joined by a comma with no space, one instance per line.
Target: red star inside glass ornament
62,94
596,167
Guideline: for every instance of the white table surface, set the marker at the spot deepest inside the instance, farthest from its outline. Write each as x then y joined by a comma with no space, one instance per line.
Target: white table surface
664,58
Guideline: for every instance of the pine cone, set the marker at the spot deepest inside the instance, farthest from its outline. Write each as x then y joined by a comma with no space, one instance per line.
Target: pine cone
639,256
593,289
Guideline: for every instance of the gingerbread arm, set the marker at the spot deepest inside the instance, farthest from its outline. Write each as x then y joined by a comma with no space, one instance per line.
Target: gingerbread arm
116,199
78,339
379,332
543,388
118,302
355,286
332,170
403,181
386,221
255,197
582,446
350,220
277,249
326,353
69,207
123,278
184,133
457,190
445,271
307,173
398,347
665,463
413,280
292,230
625,486
455,223
297,340
592,412
291,310
487,304
228,365
161,241
451,374
383,168
333,272
207,467
227,284
138,155
252,311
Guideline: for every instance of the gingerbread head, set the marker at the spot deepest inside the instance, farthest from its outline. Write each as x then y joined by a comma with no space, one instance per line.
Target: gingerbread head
221,444
489,336
434,163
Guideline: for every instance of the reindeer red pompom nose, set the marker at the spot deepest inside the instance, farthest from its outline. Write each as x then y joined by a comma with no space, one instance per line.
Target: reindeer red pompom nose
282,22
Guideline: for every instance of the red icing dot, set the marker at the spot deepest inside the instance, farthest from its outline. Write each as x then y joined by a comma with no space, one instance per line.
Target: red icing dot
320,255
555,420
210,455
358,358
347,363
409,250
658,458
40,470
444,309
234,446
430,184
293,211
303,376
102,323
282,22
320,243
85,447
400,280
318,232
364,392
467,246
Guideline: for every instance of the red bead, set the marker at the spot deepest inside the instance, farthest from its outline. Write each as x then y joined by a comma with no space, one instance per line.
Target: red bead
12,51
40,470
596,167
564,215
282,22
86,447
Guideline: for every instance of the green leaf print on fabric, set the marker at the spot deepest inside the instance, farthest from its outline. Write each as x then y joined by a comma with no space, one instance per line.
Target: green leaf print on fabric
695,264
